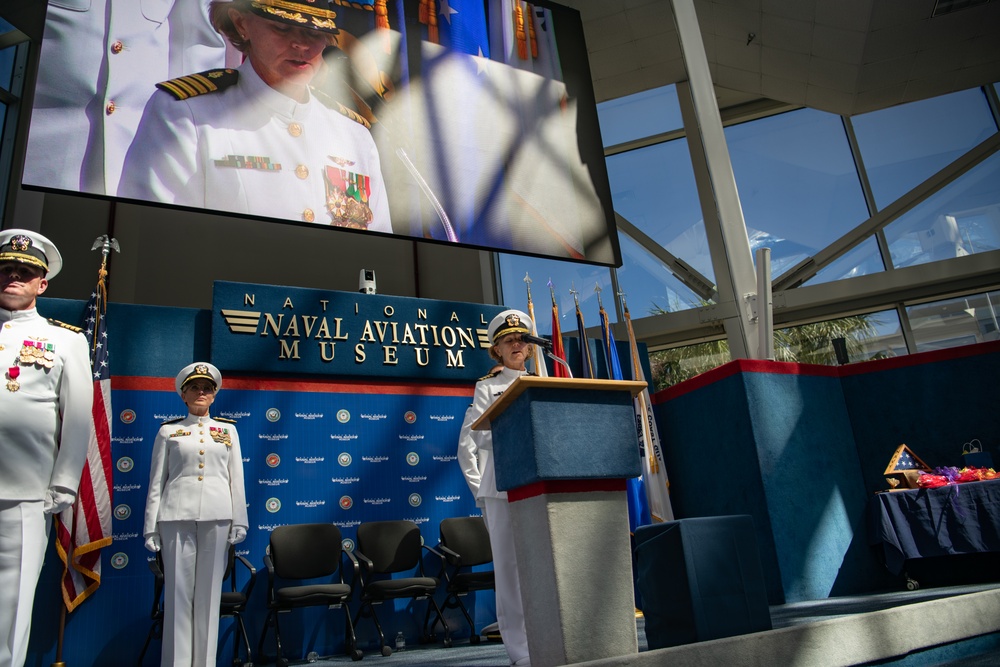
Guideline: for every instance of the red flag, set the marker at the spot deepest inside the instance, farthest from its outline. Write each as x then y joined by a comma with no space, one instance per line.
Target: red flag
85,527
558,370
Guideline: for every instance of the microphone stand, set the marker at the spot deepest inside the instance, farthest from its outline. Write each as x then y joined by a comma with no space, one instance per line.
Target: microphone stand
548,353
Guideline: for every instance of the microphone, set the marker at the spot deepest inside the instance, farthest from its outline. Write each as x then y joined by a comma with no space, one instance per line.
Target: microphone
535,340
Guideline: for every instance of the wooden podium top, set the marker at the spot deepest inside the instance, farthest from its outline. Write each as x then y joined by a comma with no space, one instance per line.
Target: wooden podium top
525,382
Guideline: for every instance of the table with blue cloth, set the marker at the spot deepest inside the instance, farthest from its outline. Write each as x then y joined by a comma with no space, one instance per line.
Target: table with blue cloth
924,523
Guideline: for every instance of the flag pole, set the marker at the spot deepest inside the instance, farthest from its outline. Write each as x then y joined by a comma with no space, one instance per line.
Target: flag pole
106,244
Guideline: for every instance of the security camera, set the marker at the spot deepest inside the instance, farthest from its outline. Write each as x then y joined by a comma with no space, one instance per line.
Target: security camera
366,282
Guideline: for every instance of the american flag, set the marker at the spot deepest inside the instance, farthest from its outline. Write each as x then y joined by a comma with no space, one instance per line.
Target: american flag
85,527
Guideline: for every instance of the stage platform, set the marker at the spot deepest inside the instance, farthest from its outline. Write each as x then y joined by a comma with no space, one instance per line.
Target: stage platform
956,625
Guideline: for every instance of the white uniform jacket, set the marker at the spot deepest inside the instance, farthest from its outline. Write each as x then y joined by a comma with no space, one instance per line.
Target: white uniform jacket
45,422
100,62
480,443
196,474
247,148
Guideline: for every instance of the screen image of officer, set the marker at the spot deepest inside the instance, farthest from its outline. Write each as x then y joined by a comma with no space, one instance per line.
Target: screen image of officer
46,397
100,62
260,139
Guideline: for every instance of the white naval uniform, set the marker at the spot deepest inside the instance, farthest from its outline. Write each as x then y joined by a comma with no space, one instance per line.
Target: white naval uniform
100,62
510,608
248,148
44,434
196,494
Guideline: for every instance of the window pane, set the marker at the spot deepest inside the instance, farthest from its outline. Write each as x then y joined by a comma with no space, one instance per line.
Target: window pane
859,261
564,276
7,66
640,115
961,219
682,363
650,288
955,322
866,336
654,189
797,183
903,146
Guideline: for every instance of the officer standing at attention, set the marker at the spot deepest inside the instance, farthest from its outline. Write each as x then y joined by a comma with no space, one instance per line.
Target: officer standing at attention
262,139
196,503
475,455
45,401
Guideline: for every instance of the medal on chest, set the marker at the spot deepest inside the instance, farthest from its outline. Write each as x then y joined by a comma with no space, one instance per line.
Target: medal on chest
220,435
12,383
37,352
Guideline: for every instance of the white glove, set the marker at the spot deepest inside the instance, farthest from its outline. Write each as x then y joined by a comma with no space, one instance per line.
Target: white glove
57,499
237,534
153,542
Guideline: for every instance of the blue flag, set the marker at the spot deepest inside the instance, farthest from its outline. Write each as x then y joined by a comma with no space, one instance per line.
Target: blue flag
638,505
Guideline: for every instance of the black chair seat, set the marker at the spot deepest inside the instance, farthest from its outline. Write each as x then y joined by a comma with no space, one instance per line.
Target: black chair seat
388,589
232,600
310,595
472,581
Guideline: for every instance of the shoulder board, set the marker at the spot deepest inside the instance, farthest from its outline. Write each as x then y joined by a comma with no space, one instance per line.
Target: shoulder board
331,103
192,85
172,421
491,375
65,326
224,420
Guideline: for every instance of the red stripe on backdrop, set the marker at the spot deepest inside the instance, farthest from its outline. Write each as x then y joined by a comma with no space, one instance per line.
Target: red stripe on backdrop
140,383
565,486
816,370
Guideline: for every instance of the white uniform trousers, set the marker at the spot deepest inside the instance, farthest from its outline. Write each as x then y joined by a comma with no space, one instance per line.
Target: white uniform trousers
194,563
510,609
24,534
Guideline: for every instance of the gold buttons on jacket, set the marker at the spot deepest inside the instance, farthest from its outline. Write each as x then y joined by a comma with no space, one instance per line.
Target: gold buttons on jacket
117,47
201,477
110,109
201,465
295,129
308,215
202,452
302,171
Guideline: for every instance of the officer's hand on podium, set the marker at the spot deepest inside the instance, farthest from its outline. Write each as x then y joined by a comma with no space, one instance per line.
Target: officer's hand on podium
57,499
153,542
237,534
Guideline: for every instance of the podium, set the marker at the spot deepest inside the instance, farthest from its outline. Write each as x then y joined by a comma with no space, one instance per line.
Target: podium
562,450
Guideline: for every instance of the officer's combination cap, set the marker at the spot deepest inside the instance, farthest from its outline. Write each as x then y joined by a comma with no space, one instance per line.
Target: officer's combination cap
199,370
28,247
315,14
507,322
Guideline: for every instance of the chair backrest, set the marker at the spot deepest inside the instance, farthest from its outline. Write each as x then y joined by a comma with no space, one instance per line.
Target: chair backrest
467,536
392,546
306,551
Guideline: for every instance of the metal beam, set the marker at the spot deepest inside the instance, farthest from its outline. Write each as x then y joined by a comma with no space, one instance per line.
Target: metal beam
691,278
810,266
725,227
